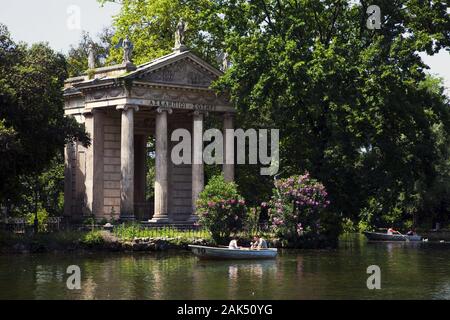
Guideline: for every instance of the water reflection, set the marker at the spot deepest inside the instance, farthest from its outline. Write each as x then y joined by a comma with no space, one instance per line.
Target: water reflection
410,271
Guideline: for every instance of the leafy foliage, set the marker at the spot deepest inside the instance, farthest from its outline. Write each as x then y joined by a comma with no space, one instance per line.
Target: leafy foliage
42,216
77,57
221,209
33,128
151,24
355,106
92,238
296,205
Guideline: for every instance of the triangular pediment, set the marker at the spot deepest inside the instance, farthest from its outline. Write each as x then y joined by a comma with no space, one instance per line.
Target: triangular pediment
184,70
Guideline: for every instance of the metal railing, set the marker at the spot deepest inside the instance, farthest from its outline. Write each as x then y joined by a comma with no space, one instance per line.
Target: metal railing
22,226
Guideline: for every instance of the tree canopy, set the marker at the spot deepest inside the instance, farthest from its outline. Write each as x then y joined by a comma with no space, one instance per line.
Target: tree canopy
33,128
355,106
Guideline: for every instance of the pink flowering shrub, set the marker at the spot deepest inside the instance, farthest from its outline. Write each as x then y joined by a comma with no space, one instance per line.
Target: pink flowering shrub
221,209
295,208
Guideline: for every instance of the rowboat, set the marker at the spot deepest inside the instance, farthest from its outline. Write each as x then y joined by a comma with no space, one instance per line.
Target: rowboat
377,236
232,254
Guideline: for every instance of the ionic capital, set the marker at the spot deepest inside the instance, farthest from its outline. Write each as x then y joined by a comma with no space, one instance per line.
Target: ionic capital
200,112
229,115
164,109
127,107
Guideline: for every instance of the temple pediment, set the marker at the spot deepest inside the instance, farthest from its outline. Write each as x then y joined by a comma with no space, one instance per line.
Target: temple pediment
183,69
180,73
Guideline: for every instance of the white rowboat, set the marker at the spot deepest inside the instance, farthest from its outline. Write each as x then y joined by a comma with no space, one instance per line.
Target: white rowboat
376,236
232,254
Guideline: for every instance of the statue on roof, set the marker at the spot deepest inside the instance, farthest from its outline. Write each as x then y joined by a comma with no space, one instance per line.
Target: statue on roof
127,46
225,62
180,34
127,50
91,56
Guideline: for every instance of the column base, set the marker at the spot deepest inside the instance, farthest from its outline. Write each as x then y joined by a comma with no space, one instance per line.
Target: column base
128,218
160,220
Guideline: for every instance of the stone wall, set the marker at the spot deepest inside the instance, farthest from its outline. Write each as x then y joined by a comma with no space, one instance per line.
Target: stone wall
111,165
180,176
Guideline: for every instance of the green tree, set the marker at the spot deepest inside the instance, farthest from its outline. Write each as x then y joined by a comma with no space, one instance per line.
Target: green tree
351,103
221,209
77,57
354,105
151,24
33,128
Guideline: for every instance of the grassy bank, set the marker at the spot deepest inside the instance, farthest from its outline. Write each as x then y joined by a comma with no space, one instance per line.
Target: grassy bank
130,232
134,238
124,238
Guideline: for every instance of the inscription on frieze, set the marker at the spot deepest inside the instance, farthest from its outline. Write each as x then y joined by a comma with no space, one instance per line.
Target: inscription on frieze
183,105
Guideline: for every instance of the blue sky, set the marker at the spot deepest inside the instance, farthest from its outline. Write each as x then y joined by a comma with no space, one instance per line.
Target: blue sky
60,23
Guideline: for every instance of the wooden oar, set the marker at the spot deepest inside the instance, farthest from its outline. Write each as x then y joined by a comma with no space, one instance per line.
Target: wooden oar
406,238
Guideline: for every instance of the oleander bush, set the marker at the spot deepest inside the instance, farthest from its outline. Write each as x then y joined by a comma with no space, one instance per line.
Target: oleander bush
296,208
221,209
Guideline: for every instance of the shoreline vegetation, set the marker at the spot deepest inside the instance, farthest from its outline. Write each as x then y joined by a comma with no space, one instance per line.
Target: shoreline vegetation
131,238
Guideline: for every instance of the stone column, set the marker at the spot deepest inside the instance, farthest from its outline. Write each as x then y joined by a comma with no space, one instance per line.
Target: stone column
68,178
140,154
94,122
162,165
198,173
228,152
127,162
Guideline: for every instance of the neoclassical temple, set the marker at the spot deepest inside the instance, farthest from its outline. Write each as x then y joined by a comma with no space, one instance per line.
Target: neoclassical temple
122,106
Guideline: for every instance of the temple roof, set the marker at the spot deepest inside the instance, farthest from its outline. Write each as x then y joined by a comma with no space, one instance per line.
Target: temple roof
180,68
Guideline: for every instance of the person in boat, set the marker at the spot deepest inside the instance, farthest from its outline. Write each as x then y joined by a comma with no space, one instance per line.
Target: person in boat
392,231
259,243
233,244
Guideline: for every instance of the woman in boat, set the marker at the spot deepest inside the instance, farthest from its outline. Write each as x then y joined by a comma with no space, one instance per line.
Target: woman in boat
259,243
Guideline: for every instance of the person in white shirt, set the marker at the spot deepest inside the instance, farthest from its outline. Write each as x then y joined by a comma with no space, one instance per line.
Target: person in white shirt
233,245
391,231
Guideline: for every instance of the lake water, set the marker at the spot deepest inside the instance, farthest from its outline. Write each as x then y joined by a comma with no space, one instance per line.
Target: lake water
408,271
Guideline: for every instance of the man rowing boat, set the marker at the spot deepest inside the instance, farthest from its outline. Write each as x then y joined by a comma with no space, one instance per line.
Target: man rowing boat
391,232
259,243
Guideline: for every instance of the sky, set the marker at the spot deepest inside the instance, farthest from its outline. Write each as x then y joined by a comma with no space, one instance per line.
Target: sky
60,23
